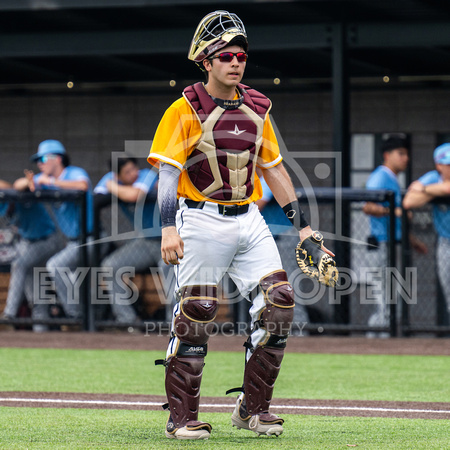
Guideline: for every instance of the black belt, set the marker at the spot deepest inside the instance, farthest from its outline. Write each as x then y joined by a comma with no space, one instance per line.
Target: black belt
224,210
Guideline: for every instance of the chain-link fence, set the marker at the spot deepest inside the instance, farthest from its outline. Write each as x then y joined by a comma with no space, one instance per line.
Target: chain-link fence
430,313
43,259
385,289
134,288
361,302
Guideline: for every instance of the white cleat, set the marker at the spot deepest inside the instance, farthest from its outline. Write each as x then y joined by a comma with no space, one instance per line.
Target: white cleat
240,417
185,433
265,423
193,430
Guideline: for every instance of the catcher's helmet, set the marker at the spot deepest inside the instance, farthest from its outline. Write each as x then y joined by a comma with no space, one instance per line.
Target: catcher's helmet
216,31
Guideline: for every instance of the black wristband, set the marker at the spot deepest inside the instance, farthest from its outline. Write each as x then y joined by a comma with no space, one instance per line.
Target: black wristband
295,215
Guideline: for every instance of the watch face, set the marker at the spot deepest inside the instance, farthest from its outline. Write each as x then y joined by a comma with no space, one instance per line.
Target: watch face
317,236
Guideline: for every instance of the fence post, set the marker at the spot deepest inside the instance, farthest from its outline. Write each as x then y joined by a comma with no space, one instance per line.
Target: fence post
392,258
87,313
403,308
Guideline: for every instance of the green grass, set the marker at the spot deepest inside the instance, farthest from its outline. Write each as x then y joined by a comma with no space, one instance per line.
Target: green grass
41,428
314,376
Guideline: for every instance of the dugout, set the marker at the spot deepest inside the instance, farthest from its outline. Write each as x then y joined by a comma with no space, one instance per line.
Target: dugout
95,74
414,309
19,214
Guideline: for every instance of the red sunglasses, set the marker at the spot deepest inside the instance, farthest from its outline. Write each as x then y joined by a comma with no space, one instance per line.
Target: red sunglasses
227,57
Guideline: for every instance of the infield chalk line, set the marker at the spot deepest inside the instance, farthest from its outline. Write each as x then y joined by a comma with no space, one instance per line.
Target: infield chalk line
212,405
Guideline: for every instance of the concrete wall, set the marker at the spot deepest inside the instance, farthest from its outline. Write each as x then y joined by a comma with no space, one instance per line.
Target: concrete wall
93,126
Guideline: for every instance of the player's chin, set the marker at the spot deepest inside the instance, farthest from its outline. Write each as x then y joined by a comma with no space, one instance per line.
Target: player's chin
234,78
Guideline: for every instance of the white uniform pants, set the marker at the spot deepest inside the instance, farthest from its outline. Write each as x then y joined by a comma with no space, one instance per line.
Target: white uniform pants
215,244
443,259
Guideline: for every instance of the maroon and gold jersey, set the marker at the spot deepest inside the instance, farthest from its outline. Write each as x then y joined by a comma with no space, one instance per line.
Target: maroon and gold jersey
216,145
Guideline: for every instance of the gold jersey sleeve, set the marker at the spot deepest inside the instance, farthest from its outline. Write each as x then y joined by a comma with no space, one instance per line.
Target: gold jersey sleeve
177,135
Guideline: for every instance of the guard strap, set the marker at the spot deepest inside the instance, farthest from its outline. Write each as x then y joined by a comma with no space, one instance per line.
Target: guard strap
295,215
238,389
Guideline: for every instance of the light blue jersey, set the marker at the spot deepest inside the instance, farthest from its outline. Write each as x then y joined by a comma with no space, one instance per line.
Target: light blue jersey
31,219
3,209
145,181
67,213
441,213
274,216
383,178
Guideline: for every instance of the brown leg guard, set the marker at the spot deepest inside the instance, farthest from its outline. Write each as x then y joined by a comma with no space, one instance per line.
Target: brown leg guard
184,368
183,378
261,372
262,368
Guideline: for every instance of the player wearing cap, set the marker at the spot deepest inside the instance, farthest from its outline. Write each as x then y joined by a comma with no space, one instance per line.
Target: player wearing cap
56,173
385,177
208,146
38,242
130,185
436,184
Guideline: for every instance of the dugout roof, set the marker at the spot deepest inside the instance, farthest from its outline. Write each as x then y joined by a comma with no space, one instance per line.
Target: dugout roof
142,44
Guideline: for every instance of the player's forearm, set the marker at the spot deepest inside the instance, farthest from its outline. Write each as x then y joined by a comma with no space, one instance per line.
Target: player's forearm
129,194
437,189
167,194
416,199
375,209
280,184
21,184
283,190
76,185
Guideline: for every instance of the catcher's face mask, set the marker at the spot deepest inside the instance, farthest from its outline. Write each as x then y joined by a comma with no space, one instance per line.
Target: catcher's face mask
214,32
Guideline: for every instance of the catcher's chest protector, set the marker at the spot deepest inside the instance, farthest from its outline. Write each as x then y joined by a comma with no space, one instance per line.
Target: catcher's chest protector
223,165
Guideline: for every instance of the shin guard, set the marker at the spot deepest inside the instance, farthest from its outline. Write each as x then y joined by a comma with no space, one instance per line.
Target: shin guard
267,349
261,372
183,378
184,366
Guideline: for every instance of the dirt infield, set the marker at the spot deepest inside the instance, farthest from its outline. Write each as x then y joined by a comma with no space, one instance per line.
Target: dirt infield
125,341
296,344
402,410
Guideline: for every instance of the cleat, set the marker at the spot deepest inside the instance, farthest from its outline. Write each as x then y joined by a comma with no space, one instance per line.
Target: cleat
240,417
193,430
266,423
261,424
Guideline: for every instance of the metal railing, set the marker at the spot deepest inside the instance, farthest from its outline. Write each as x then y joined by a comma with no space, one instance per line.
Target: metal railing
16,214
415,306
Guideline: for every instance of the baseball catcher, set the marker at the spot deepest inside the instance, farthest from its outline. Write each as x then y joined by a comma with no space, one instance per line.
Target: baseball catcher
211,147
315,262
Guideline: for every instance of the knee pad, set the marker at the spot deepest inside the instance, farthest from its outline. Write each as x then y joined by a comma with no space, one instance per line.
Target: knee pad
198,308
277,316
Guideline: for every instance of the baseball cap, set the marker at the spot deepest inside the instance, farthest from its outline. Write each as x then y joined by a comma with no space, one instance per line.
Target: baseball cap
49,147
442,154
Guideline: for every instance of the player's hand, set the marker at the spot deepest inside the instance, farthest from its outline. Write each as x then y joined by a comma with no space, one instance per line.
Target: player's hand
172,246
29,174
112,185
46,180
416,186
315,260
307,231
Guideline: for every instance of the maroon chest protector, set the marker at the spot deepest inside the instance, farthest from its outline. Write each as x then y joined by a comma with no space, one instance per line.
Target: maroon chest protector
222,166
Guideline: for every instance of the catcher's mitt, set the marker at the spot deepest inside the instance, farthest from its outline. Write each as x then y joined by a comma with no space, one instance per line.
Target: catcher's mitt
314,262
